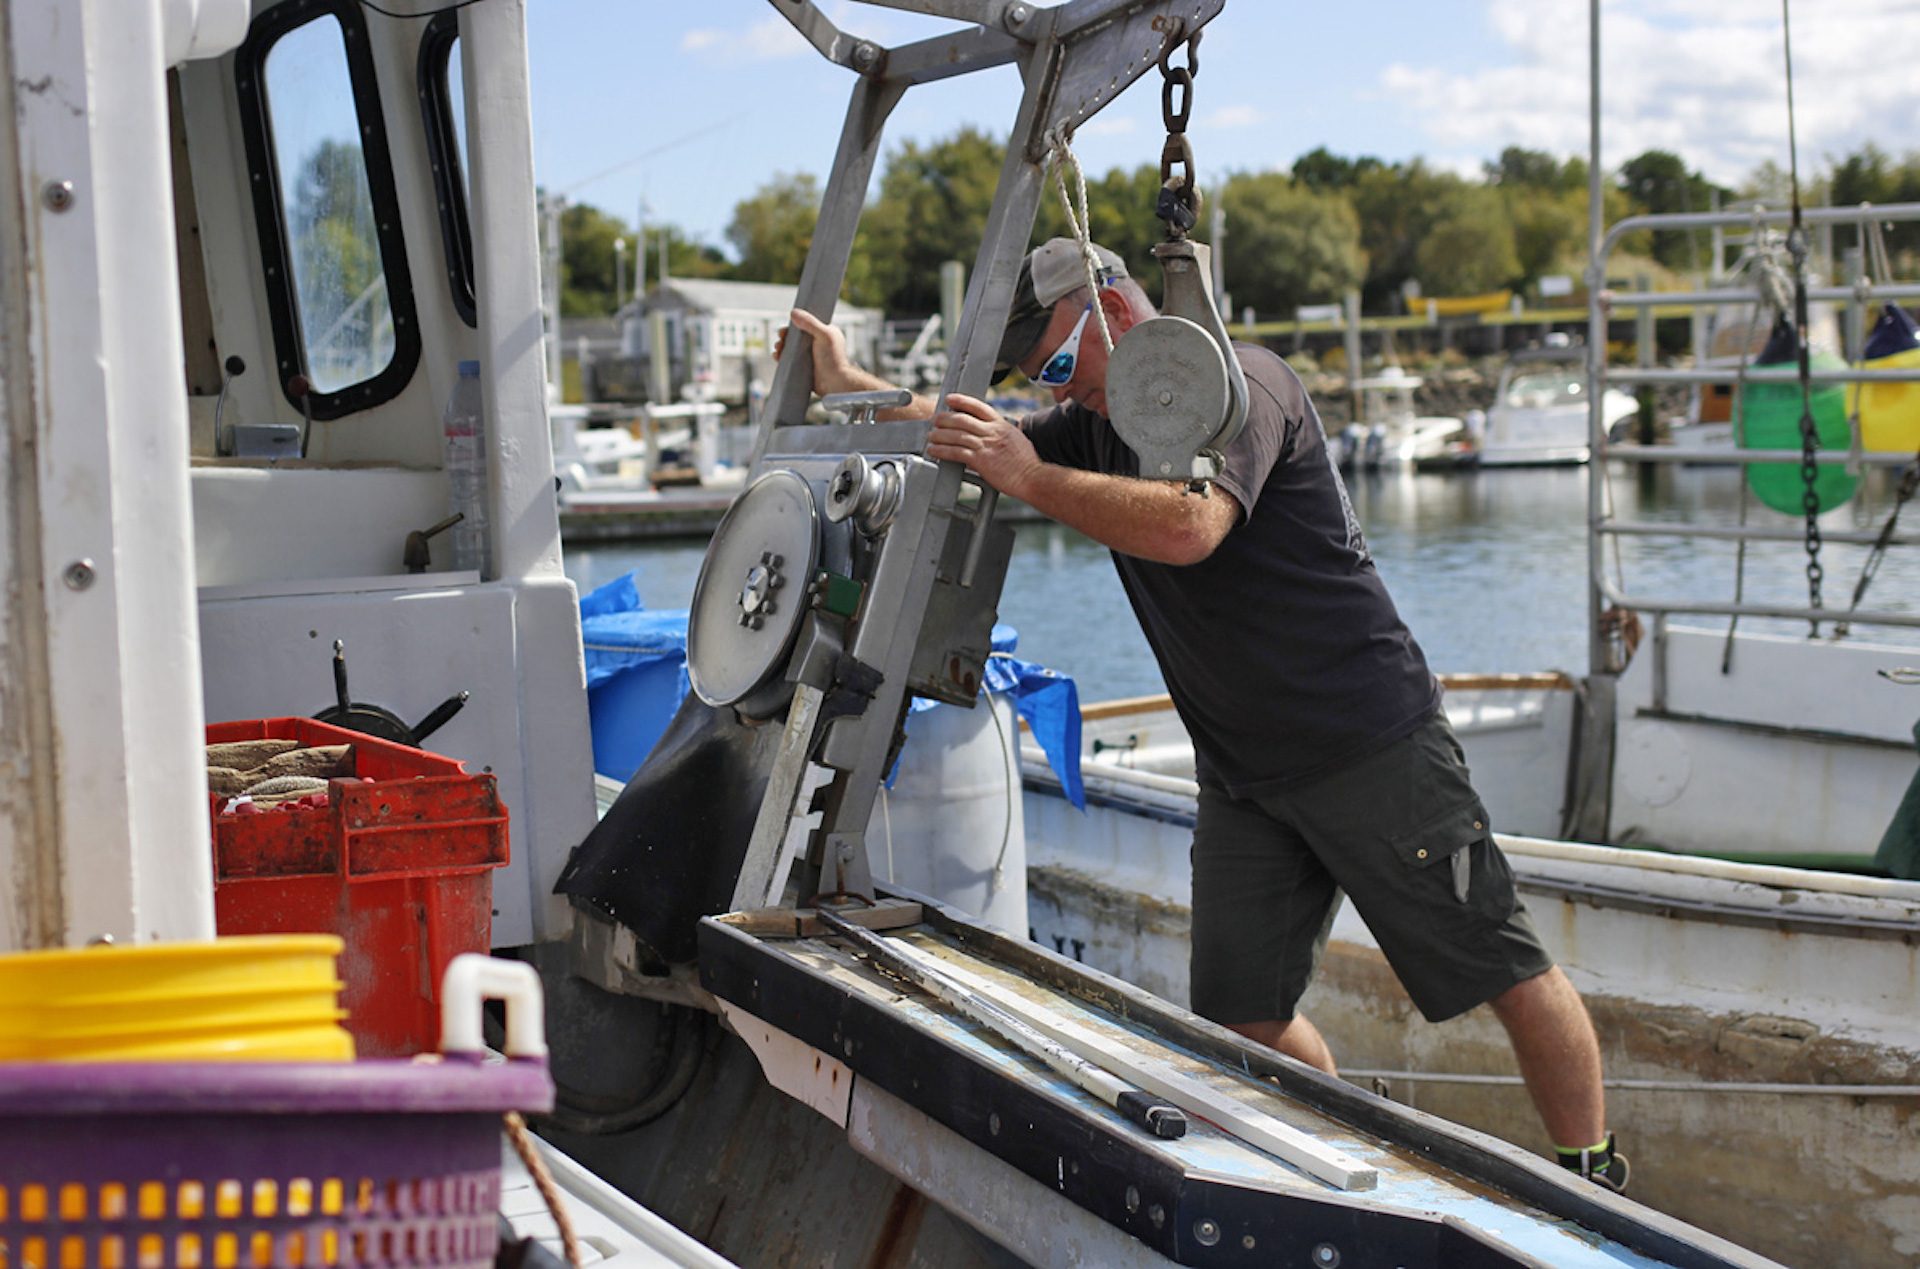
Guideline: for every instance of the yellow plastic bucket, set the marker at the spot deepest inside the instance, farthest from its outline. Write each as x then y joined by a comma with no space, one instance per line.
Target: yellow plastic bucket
252,998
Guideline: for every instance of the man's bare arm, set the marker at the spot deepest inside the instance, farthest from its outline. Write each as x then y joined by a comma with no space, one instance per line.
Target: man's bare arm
834,371
1150,519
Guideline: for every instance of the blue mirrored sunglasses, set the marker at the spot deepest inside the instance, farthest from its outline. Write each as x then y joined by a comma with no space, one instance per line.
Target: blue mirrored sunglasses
1059,368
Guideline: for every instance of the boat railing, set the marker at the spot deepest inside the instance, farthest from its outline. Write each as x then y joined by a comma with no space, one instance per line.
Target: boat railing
1859,298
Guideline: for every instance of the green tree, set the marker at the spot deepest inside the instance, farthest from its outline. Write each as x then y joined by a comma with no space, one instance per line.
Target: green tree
1398,207
772,229
1321,169
1870,175
932,207
1469,248
1519,167
1120,208
587,260
1549,229
1659,181
1289,244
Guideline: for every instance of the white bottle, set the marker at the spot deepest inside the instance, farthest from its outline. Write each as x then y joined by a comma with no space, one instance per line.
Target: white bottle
464,428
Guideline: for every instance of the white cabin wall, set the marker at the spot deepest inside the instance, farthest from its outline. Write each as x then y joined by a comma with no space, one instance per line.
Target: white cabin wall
557,749
230,246
292,557
493,49
117,763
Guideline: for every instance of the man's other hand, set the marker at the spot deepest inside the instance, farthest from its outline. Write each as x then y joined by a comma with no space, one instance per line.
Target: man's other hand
969,431
833,368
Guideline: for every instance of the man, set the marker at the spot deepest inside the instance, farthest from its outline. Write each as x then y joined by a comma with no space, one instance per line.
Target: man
1325,761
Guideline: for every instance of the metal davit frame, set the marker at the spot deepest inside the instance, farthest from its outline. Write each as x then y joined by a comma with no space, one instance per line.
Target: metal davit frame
853,571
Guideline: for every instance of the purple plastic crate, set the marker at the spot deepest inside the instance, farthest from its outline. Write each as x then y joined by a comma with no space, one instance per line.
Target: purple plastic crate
249,1165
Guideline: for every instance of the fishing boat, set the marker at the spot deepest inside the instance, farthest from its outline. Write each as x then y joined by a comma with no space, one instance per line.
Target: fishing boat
1693,822
179,189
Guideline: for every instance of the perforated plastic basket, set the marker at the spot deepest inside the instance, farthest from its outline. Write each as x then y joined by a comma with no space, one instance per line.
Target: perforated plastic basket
228,1166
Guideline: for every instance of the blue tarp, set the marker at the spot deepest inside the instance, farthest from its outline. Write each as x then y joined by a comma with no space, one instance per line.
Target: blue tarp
621,636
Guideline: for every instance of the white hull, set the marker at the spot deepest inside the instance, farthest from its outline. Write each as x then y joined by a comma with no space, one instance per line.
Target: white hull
1699,972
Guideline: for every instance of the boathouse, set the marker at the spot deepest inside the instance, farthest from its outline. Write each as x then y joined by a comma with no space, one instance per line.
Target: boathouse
720,333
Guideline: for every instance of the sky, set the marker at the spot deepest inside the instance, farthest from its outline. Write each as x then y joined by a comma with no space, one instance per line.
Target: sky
687,108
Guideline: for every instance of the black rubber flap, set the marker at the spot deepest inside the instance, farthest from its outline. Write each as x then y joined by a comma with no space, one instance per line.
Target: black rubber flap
670,849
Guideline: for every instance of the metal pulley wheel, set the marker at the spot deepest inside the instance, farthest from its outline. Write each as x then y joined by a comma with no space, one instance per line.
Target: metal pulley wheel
867,492
1167,394
752,592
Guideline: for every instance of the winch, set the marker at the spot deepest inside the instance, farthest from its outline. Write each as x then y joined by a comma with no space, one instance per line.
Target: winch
853,572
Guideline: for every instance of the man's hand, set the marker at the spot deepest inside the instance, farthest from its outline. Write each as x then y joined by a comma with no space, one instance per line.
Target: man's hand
969,431
833,368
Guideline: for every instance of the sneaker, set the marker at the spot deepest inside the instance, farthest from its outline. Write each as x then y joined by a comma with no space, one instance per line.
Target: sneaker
1602,1165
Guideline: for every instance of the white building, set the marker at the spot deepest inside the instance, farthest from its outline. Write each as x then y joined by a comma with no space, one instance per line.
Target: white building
721,333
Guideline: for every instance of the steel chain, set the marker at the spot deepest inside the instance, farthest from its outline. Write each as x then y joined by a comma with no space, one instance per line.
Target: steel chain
1809,431
1178,200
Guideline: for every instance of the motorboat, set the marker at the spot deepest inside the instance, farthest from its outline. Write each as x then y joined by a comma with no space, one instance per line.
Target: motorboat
1389,431
1539,415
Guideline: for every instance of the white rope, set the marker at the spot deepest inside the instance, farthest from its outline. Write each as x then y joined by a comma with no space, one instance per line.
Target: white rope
1082,227
1736,405
1013,783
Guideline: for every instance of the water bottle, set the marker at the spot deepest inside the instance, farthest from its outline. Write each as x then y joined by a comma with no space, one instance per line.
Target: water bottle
464,429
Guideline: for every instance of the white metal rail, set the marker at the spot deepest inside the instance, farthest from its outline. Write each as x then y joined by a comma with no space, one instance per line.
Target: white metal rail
1859,299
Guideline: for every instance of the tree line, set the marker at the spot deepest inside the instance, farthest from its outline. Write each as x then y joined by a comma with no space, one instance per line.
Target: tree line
1300,236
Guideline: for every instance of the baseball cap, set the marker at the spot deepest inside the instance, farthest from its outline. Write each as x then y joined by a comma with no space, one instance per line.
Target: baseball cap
1051,270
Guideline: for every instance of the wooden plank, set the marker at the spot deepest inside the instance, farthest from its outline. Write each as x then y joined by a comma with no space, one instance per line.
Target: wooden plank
1229,1113
1547,681
1126,705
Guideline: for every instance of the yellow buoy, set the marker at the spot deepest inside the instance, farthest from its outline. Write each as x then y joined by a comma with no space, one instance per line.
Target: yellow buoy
252,998
1889,413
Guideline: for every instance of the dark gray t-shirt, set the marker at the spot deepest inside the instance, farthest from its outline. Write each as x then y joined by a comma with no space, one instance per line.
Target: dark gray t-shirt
1282,650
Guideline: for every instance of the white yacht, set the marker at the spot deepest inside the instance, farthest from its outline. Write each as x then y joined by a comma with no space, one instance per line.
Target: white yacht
1539,414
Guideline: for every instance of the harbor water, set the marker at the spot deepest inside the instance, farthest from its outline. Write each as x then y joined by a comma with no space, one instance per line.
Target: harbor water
1488,569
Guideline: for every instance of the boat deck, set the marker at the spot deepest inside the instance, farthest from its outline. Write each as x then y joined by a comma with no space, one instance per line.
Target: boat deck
1363,1181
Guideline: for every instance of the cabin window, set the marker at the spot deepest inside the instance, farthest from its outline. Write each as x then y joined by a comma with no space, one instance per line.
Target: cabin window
337,285
443,112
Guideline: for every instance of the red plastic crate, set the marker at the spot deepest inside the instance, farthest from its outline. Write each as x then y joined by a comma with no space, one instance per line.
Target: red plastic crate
400,868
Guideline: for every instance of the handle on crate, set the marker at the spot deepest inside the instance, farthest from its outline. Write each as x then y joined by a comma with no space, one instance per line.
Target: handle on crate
472,980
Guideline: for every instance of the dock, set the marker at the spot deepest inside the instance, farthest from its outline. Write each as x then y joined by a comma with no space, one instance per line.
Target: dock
646,515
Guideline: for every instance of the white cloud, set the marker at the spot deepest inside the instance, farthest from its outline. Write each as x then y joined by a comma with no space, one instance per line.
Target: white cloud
1108,124
1699,77
1234,117
766,40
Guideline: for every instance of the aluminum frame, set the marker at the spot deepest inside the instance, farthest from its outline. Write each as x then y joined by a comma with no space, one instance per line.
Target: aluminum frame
1074,59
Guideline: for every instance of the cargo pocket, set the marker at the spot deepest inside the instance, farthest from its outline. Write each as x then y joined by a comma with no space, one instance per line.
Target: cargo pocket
1443,841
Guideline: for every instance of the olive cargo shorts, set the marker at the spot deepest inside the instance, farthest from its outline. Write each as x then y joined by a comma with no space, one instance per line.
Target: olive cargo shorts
1405,836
